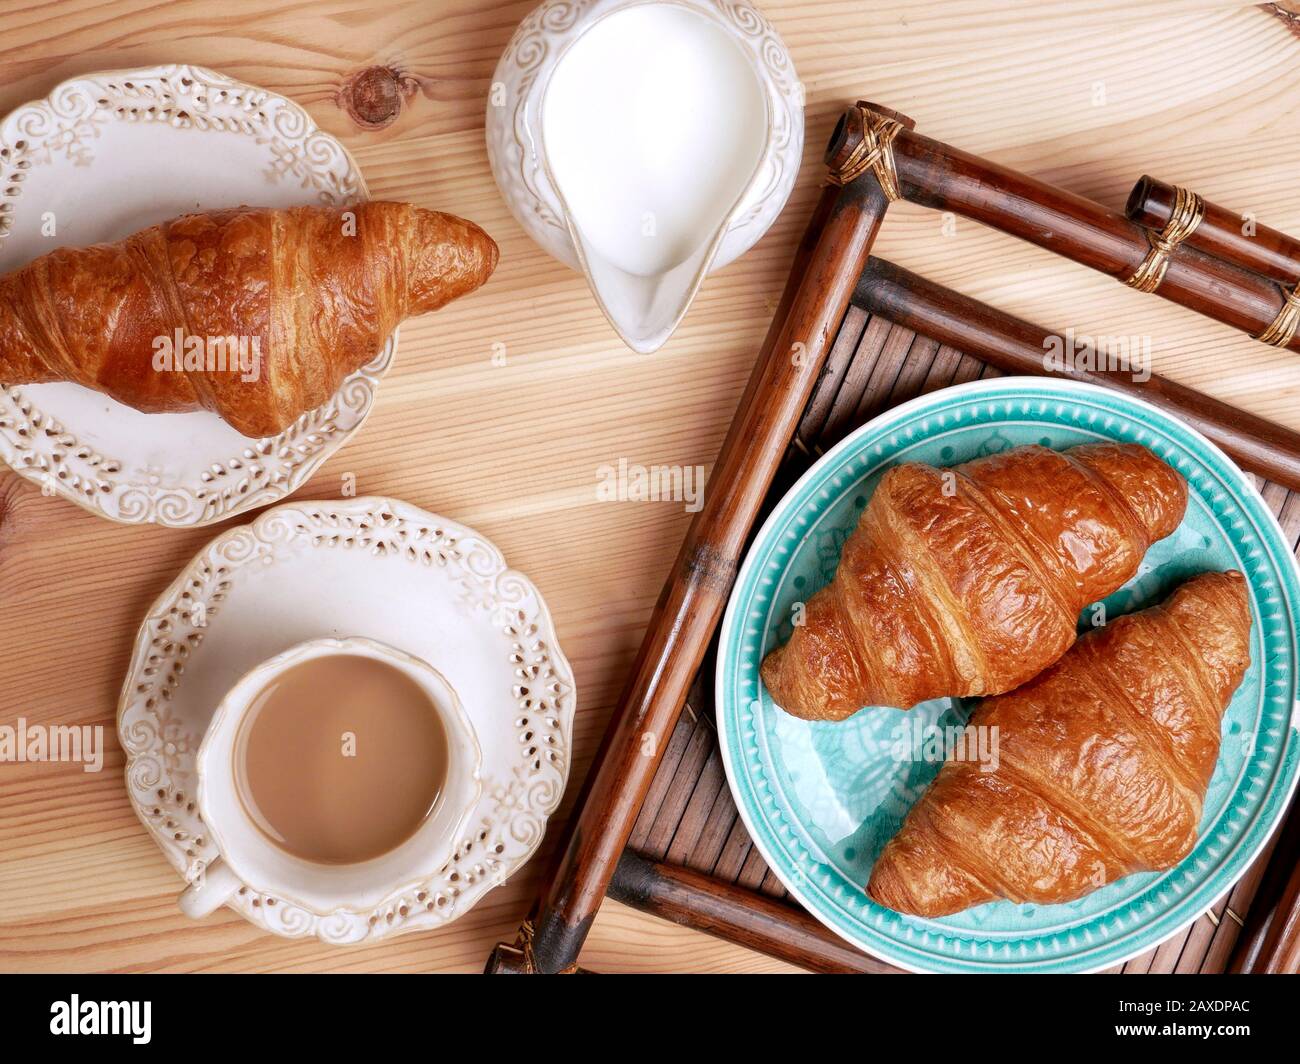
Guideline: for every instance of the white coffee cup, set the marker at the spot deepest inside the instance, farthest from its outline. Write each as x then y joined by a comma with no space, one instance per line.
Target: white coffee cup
249,859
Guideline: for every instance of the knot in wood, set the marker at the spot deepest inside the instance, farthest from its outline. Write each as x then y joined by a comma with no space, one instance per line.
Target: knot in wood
373,97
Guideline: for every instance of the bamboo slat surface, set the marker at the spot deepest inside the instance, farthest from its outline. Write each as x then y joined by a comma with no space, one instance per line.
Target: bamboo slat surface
689,817
1088,94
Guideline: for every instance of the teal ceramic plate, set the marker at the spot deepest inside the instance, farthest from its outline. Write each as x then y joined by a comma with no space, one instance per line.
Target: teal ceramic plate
820,800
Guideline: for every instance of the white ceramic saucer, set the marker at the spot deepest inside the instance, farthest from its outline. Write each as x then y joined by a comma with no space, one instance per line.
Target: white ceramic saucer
383,570
101,157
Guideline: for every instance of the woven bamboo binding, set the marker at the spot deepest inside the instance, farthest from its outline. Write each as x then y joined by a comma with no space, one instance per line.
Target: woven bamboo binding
1282,330
1187,213
874,152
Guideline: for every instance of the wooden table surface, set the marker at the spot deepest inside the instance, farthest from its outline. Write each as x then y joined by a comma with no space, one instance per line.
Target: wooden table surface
1088,94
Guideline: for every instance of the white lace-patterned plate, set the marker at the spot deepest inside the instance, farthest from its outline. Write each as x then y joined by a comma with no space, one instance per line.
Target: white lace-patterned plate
101,157
388,571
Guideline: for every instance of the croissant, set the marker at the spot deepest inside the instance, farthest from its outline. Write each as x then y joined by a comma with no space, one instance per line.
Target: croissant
255,314
1101,770
969,581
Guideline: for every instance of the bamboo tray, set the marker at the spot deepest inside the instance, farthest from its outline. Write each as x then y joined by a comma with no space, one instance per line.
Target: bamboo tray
689,850
655,825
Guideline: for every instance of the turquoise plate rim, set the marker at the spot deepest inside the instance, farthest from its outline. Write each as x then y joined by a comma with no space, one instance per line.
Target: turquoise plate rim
765,822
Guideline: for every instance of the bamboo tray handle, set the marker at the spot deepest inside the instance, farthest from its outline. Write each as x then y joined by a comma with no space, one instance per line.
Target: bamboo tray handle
1222,233
1232,239
933,174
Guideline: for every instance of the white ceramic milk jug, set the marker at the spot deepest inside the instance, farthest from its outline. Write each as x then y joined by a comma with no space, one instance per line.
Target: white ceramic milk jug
645,143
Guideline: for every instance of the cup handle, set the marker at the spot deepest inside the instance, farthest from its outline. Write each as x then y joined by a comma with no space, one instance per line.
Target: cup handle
210,891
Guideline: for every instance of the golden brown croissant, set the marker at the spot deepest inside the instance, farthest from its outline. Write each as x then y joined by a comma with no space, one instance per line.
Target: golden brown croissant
969,581
1102,765
257,315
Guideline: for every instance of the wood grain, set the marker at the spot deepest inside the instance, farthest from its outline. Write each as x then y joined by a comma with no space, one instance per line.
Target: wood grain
513,450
